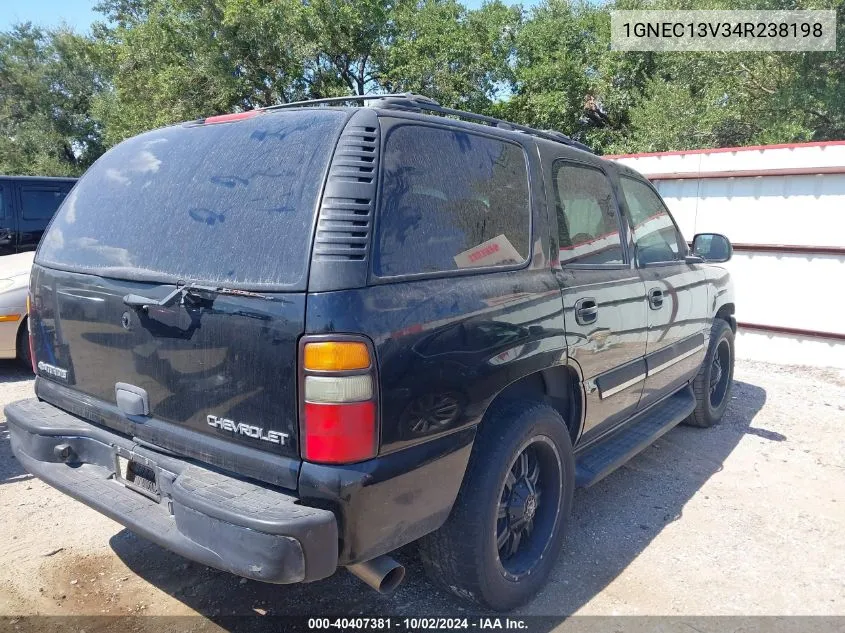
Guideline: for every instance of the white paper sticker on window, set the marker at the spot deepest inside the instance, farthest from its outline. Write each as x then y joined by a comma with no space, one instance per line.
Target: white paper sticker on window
494,252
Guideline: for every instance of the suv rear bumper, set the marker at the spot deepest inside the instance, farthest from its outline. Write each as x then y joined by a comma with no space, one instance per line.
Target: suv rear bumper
249,530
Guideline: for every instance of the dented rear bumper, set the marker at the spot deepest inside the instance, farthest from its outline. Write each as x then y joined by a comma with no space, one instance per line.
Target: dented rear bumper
253,531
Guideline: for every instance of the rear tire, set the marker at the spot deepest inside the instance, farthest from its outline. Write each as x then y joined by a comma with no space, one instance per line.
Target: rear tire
24,357
506,528
714,381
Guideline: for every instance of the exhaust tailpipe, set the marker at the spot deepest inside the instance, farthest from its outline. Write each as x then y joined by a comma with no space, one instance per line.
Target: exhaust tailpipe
383,574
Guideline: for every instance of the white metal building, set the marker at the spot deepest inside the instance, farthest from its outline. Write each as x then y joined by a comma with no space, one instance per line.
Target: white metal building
783,207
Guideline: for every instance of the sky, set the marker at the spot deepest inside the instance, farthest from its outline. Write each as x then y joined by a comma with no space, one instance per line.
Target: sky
78,14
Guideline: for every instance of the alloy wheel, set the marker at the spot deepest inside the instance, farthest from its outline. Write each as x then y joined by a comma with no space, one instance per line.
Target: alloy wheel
720,373
528,507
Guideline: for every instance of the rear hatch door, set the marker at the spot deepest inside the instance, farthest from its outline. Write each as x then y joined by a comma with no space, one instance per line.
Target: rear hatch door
225,212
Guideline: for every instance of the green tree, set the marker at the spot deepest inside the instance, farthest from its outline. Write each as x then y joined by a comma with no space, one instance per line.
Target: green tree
349,40
459,57
47,82
175,60
695,100
181,59
566,77
65,97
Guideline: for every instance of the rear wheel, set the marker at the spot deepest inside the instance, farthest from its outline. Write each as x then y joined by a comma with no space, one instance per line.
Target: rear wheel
24,357
506,528
714,381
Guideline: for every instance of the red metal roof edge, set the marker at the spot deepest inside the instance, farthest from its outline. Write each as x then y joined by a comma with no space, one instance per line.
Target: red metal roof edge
720,150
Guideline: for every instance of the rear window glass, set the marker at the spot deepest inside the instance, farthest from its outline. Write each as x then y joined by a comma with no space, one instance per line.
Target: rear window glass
450,200
230,203
40,204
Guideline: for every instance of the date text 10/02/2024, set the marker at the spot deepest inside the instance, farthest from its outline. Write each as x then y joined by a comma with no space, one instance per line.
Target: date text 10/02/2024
413,624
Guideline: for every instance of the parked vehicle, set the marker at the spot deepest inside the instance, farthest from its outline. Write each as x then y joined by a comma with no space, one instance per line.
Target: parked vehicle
14,285
27,204
297,339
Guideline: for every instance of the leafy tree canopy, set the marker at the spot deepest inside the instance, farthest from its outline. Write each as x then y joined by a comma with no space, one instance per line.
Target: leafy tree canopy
48,80
65,98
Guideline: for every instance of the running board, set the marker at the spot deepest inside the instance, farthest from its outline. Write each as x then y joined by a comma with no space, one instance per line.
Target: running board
633,437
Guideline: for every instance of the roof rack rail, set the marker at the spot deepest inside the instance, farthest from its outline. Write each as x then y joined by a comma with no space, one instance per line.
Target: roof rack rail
563,138
416,102
410,99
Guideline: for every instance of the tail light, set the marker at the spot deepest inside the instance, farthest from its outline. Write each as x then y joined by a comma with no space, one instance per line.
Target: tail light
339,397
29,314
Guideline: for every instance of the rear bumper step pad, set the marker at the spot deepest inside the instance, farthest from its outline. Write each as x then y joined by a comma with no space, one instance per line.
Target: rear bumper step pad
215,519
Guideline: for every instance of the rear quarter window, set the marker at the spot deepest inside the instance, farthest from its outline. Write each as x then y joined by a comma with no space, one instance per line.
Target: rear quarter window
450,200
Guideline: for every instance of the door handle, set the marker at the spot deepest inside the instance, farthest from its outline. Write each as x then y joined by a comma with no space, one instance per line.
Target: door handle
655,298
586,311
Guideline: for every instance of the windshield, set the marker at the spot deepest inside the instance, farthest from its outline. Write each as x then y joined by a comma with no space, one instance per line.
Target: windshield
229,203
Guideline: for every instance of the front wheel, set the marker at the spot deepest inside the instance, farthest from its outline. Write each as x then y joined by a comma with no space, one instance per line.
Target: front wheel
714,381
506,528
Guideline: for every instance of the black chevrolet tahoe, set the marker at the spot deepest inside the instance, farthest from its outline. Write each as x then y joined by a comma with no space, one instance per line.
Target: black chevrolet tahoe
289,340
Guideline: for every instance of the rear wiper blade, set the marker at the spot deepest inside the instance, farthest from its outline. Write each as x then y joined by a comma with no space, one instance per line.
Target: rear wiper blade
196,291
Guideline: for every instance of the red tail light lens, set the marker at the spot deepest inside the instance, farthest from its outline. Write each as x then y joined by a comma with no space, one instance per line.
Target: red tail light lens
338,392
340,433
29,314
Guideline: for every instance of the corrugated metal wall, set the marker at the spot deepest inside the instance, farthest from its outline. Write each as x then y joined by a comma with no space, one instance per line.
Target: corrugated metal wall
783,207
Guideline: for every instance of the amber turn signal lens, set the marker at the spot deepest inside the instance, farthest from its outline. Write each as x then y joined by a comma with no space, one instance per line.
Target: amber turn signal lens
336,356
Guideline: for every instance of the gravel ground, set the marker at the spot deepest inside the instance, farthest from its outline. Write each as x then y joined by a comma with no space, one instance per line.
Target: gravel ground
744,518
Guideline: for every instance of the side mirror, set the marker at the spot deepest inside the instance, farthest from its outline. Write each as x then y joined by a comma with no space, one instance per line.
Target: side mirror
712,247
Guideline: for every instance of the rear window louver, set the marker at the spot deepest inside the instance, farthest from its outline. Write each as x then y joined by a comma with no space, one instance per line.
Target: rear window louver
346,212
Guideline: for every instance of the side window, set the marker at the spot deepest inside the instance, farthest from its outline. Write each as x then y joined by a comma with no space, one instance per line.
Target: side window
450,200
39,204
656,237
587,222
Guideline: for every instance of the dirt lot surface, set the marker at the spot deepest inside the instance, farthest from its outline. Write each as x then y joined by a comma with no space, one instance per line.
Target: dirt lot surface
744,518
